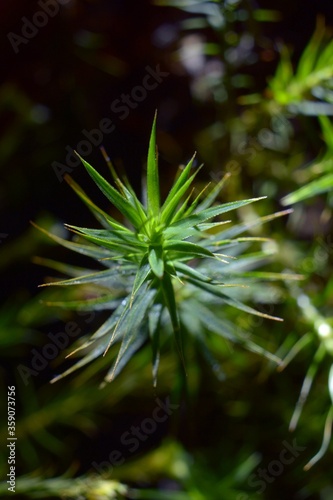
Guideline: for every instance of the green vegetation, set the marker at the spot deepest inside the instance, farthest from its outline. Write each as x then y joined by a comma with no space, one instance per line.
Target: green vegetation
188,332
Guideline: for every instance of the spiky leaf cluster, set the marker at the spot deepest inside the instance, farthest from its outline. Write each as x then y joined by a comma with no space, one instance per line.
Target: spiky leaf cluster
164,265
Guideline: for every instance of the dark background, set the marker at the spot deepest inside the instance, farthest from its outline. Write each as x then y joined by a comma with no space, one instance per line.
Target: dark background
63,81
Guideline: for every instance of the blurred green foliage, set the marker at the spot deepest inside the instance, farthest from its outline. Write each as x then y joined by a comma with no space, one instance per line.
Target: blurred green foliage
255,110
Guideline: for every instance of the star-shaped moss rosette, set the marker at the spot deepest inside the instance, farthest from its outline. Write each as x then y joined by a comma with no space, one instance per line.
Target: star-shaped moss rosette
165,270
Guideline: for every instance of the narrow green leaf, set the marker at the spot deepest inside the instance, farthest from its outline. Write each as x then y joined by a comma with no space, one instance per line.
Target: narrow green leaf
267,276
193,206
209,320
130,325
154,324
243,227
330,383
156,261
98,350
108,326
223,328
209,213
153,187
189,271
170,211
307,62
110,275
247,262
327,129
68,269
105,220
211,197
141,276
125,237
127,349
313,188
108,302
181,210
118,242
211,225
170,301
306,386
118,200
296,348
243,307
130,195
191,249
218,292
326,440
90,251
178,183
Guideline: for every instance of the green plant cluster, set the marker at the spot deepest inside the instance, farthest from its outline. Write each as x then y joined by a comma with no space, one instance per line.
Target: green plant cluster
196,294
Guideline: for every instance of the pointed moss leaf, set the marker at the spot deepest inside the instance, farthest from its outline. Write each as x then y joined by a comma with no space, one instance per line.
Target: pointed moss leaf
109,275
330,383
212,196
120,243
118,200
105,220
170,301
193,207
267,276
307,62
250,261
187,247
326,440
133,199
212,225
170,209
97,304
313,188
241,228
90,251
108,236
307,385
227,330
178,183
131,325
153,188
108,326
257,349
154,325
131,310
141,276
209,213
295,349
327,129
189,271
95,352
243,307
210,320
68,269
127,350
156,261
218,292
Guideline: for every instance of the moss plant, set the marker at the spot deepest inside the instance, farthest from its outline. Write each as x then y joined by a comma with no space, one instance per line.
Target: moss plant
166,266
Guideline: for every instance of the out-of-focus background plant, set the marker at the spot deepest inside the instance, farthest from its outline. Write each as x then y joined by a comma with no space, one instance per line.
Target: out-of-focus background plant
249,86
